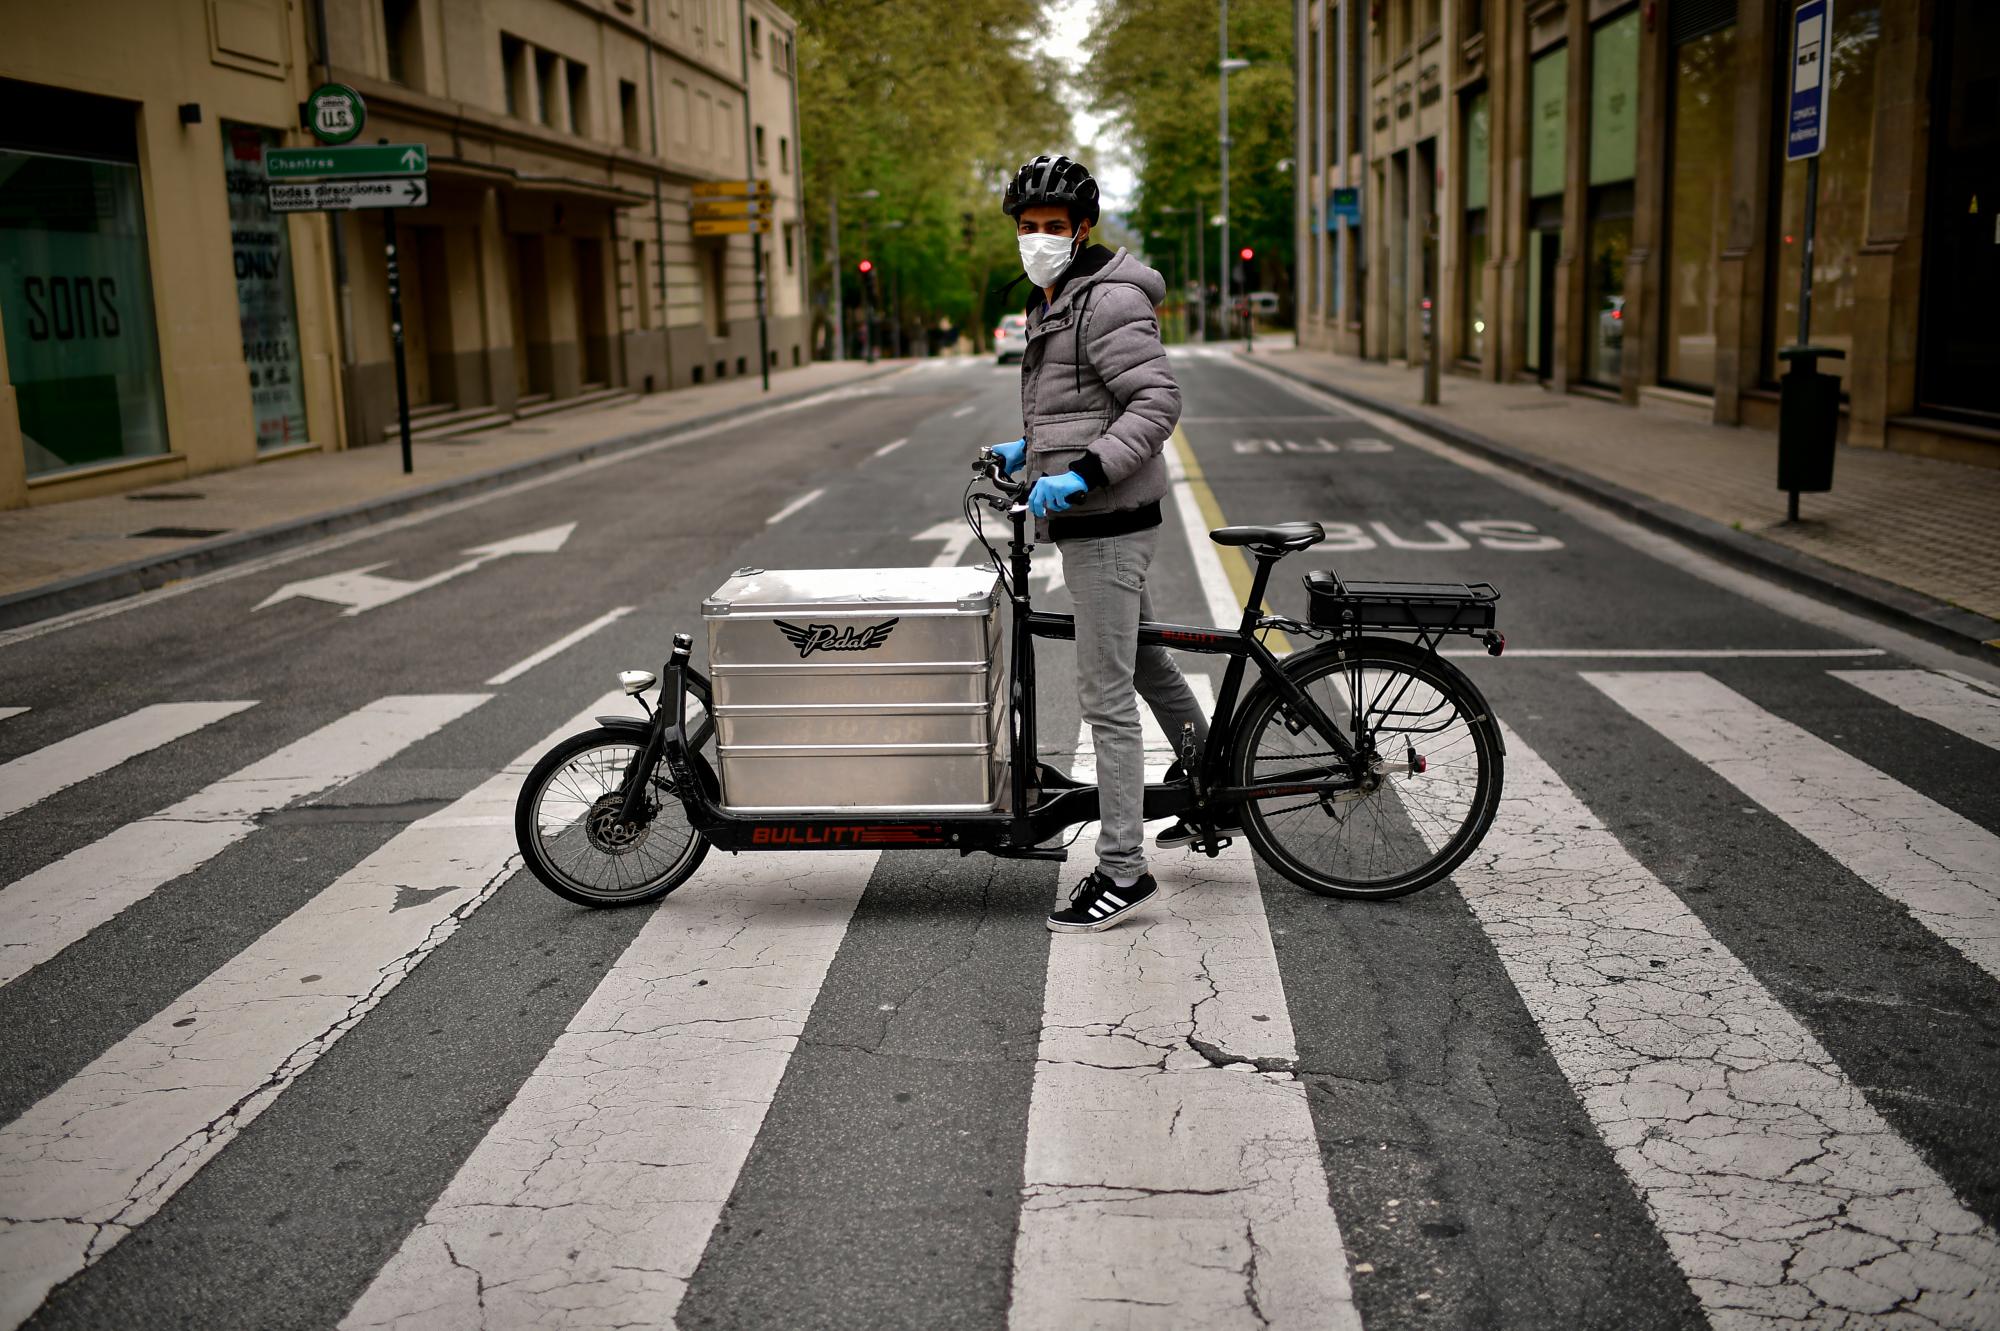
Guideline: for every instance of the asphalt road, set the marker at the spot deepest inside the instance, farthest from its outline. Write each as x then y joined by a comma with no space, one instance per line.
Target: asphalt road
1705,1033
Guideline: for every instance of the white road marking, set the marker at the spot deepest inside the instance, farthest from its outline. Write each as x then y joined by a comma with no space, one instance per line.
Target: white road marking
6,712
957,537
90,614
105,1150
965,410
890,447
601,1182
362,588
33,777
1672,653
1171,1158
1955,704
1943,868
793,507
1779,1190
58,904
558,647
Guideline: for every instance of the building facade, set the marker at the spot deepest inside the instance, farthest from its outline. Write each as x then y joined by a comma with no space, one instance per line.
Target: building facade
159,321
1593,194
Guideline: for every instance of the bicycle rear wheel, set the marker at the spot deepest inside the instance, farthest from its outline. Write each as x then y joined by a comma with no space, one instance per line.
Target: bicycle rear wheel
1425,733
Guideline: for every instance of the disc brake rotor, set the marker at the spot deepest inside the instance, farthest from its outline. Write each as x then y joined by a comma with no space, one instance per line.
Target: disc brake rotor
609,836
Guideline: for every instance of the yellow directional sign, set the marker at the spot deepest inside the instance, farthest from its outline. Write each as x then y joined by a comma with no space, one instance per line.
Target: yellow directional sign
723,189
733,208
733,226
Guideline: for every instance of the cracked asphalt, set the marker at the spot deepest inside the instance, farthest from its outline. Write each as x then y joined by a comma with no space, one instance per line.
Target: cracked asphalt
1707,1032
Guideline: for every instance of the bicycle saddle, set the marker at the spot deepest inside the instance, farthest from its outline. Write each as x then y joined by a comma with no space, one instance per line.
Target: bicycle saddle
1279,539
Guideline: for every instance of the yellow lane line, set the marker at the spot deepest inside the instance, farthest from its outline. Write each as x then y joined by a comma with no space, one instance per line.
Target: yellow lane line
1235,564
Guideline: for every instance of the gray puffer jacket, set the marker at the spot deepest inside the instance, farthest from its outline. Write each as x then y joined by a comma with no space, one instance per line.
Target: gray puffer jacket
1094,380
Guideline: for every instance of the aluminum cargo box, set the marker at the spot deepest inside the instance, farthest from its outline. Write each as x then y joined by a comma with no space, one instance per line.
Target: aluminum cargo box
875,689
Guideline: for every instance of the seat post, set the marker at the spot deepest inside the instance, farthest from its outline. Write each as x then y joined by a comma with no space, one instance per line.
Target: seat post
1259,581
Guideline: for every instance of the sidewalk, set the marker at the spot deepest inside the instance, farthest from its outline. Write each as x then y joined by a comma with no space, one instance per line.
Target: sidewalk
1911,537
62,556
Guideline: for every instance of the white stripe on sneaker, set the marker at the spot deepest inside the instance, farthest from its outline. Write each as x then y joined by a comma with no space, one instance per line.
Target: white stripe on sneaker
1943,868
1782,1194
601,1182
34,777
58,904
1939,699
111,1145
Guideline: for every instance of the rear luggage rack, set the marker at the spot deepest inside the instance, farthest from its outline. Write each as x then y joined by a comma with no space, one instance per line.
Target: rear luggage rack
1407,607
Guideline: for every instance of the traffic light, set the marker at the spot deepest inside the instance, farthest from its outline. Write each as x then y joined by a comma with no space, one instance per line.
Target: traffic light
1246,254
865,267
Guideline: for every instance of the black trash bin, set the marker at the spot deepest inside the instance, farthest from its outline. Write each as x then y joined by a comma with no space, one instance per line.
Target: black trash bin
1808,419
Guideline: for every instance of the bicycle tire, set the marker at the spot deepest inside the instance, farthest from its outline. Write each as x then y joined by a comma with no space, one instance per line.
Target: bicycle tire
1265,706
534,853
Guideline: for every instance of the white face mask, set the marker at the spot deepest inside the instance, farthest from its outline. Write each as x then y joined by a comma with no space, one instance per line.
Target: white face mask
1045,257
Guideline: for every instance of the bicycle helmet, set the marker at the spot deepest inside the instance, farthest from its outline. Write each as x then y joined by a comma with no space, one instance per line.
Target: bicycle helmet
1053,180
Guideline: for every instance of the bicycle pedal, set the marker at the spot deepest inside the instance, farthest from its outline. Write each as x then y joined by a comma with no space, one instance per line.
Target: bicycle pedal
1213,849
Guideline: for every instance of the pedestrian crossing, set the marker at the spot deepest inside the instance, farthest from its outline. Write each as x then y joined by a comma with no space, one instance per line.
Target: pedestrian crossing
1172,1172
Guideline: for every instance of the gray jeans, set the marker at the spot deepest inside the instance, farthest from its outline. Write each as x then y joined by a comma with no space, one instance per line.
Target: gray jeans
1107,582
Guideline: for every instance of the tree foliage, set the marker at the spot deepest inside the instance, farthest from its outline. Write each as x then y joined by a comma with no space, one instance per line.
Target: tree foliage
933,103
1153,68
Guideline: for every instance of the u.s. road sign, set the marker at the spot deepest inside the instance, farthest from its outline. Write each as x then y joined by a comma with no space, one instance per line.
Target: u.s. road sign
1805,121
364,159
345,195
335,113
733,226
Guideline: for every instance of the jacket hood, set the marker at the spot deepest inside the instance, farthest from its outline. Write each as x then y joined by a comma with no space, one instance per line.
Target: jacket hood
1125,267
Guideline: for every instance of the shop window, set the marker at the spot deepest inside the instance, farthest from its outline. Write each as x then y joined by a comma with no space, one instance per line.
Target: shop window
76,301
264,298
628,112
1472,271
1958,346
1702,111
1548,132
1841,221
578,78
1614,82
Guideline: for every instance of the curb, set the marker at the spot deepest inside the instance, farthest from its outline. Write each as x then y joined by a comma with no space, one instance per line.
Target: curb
1934,620
142,575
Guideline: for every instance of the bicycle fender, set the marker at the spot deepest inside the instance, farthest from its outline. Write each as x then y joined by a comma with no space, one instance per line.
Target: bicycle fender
638,723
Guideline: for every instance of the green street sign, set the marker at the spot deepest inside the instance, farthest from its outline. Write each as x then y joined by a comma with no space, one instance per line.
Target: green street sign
367,159
335,113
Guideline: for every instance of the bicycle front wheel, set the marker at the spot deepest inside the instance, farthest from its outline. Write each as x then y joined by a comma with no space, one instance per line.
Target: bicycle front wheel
1431,753
566,822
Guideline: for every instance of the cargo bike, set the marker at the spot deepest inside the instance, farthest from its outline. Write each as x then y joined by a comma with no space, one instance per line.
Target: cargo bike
895,709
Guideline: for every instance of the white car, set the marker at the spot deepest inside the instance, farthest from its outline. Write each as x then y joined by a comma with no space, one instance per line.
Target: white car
1010,339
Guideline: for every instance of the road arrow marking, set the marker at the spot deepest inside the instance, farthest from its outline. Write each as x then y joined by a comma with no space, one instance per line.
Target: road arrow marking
362,588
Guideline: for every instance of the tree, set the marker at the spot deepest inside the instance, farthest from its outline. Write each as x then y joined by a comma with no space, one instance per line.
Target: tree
933,103
1153,68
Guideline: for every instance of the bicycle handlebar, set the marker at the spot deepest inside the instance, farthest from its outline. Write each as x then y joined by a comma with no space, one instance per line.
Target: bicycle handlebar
987,466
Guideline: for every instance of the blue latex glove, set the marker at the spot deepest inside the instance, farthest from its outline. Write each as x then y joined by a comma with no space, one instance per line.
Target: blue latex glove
1011,456
1053,493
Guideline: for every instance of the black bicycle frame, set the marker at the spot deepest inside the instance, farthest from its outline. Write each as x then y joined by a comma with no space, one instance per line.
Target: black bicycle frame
1201,794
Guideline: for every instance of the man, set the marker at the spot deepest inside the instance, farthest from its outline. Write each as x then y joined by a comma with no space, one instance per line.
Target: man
1099,403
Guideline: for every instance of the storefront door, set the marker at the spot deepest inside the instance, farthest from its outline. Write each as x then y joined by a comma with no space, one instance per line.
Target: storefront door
1960,341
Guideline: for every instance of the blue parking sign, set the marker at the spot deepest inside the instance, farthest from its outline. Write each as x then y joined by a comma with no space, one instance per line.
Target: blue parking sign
1812,33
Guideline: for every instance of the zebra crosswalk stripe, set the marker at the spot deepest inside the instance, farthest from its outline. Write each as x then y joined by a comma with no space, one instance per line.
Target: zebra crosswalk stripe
34,777
53,907
1939,699
1941,867
601,1182
1782,1194
1171,1157
6,712
107,1148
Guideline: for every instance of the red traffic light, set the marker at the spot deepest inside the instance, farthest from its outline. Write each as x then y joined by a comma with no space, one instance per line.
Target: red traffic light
1246,254
866,265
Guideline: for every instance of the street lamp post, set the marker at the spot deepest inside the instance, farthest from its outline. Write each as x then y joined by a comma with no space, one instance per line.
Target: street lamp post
1226,65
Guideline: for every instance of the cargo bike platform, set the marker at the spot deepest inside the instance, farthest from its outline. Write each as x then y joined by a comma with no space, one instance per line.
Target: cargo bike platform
896,709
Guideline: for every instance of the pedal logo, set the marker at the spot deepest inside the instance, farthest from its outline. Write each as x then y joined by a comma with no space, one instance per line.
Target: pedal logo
810,638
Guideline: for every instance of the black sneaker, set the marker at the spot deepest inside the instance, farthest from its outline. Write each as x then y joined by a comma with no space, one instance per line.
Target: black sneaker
1183,832
1098,903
